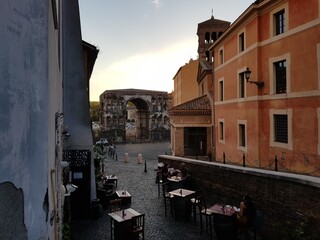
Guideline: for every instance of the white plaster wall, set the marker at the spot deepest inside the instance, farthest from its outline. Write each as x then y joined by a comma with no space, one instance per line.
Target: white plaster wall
30,95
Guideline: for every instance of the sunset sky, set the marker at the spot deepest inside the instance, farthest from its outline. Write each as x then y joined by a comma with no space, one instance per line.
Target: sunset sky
143,43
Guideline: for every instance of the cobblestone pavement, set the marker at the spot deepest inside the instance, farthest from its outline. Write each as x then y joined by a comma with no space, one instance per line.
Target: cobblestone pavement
141,185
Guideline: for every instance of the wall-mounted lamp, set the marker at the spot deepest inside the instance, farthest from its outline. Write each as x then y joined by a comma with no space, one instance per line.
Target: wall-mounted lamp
247,76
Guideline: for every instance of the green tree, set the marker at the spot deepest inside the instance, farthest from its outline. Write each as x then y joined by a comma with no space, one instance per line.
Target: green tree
95,111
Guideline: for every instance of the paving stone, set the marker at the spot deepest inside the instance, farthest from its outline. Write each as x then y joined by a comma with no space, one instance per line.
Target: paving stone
141,185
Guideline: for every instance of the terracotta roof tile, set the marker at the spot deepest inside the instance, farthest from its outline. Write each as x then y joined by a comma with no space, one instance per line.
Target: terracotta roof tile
200,106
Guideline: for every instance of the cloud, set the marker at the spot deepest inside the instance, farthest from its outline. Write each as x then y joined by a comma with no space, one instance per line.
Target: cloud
150,70
156,3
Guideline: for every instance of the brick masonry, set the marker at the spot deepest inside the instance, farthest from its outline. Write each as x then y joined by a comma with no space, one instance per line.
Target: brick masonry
287,204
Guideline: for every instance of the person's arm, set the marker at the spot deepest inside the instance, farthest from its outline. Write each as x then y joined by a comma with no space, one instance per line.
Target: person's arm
242,206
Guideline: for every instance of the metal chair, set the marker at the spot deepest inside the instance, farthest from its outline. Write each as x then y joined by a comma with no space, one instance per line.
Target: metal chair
115,205
195,201
159,180
167,197
136,229
206,213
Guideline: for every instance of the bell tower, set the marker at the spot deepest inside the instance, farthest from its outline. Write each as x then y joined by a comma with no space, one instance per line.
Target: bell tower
208,32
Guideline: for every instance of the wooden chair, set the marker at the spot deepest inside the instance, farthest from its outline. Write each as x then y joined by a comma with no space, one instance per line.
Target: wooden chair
167,197
195,201
115,205
136,229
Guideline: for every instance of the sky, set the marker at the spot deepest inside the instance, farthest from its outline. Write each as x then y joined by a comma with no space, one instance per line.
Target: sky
143,43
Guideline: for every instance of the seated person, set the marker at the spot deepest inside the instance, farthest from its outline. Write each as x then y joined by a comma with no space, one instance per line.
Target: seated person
184,170
165,172
247,211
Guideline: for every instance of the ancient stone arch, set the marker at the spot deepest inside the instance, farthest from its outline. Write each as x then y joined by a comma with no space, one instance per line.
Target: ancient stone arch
134,115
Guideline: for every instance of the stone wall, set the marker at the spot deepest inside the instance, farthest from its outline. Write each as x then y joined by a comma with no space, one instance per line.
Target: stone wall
287,204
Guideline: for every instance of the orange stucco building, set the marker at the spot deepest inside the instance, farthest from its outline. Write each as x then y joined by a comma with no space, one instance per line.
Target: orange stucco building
185,83
271,118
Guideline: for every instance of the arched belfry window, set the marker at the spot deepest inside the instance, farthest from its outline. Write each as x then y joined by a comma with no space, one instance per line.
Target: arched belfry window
207,37
219,34
207,55
214,36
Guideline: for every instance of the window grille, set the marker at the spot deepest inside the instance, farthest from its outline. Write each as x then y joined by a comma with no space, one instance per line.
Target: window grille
281,128
242,135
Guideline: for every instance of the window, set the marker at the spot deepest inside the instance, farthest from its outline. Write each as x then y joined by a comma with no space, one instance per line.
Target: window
220,94
221,56
214,36
202,89
221,131
207,37
241,85
241,42
280,76
242,135
280,128
207,56
279,21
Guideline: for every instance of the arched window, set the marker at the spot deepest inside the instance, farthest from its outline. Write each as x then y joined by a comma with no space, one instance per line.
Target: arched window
207,37
214,36
115,120
207,56
219,34
108,121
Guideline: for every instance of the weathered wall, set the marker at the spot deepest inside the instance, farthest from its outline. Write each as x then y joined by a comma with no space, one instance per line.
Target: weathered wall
76,88
11,218
24,112
293,197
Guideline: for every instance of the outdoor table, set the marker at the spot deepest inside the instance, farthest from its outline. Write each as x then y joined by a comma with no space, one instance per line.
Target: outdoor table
121,221
175,182
125,198
225,220
182,203
221,209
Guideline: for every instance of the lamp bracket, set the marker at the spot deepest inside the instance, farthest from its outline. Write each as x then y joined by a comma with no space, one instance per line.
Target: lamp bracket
259,84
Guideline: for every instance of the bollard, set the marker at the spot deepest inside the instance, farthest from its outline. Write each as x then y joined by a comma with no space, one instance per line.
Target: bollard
145,166
126,157
244,160
139,158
